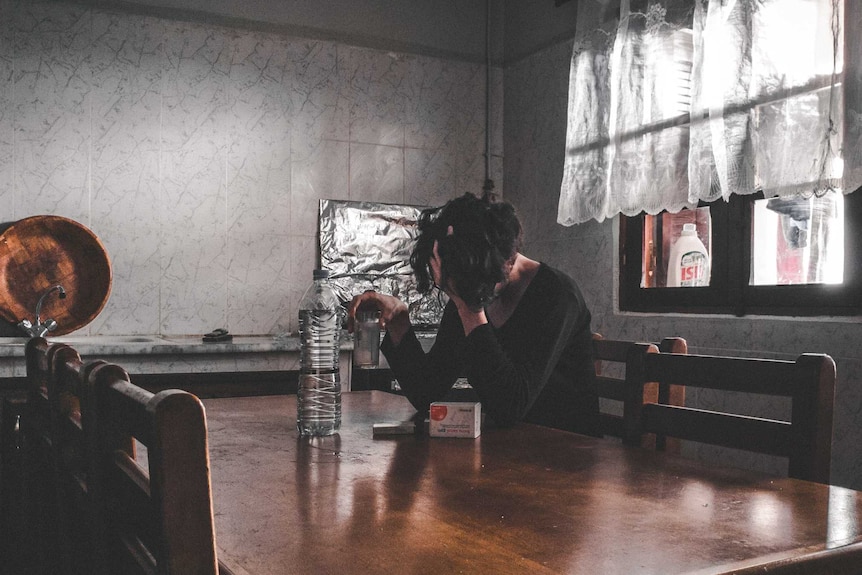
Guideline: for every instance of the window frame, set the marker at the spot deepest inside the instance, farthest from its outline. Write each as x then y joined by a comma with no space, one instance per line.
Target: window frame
729,292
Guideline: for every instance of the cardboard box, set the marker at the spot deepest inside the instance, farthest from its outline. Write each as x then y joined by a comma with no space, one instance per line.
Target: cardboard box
455,419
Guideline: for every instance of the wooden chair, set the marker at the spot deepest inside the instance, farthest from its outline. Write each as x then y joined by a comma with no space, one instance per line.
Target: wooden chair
158,519
612,384
80,529
809,382
12,486
40,511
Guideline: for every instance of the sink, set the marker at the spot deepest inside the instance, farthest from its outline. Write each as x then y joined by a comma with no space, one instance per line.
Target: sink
89,339
106,339
110,341
138,344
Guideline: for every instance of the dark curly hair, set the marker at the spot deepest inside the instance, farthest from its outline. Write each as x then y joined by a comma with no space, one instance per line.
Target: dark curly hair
485,235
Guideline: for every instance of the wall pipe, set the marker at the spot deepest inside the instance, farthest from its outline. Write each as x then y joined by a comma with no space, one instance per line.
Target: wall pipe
488,187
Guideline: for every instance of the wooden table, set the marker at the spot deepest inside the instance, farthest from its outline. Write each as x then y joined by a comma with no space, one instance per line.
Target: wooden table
522,500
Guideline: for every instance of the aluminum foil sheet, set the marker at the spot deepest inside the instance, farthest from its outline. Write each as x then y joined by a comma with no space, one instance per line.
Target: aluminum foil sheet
367,245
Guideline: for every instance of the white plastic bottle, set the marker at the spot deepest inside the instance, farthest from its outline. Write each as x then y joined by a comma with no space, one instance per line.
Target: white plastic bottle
689,260
318,401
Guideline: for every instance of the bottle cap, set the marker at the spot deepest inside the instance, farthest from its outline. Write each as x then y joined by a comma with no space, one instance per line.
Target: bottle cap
320,274
689,229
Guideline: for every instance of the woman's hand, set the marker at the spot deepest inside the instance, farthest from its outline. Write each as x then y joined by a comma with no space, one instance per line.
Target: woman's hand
394,316
470,318
437,271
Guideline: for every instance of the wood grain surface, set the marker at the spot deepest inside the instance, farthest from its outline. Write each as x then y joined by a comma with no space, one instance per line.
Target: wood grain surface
39,252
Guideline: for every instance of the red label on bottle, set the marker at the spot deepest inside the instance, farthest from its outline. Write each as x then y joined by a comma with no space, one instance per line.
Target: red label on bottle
692,271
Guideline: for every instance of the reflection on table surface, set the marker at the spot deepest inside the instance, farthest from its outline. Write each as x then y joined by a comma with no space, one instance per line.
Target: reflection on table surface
521,500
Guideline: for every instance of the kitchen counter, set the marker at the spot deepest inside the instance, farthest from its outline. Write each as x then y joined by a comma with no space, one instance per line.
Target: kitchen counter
160,345
176,354
187,354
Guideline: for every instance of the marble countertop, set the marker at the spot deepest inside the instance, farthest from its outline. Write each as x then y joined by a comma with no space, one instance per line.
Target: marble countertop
164,345
108,345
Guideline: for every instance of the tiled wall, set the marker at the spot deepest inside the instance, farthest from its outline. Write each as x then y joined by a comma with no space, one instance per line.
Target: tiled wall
535,119
198,153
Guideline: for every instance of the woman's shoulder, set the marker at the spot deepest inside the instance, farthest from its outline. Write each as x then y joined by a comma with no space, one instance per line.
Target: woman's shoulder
553,277
555,284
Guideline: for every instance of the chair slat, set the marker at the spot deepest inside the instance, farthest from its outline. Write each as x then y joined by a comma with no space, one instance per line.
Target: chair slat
125,408
750,375
730,430
616,388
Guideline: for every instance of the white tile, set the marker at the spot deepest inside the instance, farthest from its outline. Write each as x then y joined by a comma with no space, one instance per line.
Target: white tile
194,279
258,139
193,187
376,173
378,96
430,176
51,110
258,295
318,95
304,259
446,104
133,304
7,196
320,172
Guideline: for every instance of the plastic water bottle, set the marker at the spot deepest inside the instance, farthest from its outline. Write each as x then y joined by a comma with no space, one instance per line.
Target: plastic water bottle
319,394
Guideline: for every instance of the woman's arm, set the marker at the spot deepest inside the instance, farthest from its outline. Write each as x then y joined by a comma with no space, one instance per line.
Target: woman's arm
427,377
509,369
423,377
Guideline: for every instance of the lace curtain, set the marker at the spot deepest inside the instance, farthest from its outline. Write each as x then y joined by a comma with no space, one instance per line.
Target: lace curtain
679,101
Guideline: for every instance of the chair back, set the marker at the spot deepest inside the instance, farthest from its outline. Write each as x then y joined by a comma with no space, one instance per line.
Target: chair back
38,417
39,514
610,359
159,516
805,439
80,532
613,381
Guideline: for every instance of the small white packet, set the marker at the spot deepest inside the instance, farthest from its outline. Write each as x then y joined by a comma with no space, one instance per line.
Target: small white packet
455,419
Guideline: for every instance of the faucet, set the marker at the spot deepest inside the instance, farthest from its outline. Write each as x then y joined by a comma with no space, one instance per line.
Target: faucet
39,328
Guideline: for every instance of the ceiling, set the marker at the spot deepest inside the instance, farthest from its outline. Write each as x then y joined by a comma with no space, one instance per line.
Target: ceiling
446,28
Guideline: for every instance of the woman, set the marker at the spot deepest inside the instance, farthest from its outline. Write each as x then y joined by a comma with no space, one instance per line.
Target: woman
518,329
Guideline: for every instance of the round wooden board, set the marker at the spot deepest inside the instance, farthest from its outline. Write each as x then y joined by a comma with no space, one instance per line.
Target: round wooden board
39,252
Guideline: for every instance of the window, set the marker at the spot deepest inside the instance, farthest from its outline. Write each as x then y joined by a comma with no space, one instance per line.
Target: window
764,256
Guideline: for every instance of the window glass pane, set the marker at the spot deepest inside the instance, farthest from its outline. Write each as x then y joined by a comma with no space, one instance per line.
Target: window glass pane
677,249
798,241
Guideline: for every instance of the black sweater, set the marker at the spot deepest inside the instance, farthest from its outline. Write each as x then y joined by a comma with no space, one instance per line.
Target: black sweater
537,367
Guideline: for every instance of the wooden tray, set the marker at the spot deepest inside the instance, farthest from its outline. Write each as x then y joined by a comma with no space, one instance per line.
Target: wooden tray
39,252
